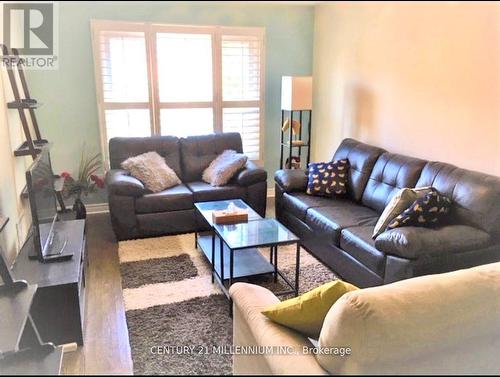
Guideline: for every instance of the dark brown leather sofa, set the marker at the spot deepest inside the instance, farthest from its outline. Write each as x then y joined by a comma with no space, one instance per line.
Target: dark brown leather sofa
137,213
338,231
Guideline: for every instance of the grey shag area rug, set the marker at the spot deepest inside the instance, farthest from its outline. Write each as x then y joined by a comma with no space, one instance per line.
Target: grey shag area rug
178,321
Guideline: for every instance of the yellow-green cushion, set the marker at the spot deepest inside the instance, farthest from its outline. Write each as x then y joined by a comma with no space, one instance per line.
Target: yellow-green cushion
307,312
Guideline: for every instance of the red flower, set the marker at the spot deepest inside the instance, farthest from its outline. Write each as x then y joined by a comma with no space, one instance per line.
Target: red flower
65,175
97,180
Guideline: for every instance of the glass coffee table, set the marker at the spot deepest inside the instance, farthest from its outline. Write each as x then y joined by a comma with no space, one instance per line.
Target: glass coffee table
232,249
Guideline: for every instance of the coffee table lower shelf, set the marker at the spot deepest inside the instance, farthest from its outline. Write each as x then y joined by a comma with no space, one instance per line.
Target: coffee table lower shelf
247,262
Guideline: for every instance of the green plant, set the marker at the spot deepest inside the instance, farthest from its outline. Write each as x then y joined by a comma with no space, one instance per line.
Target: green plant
87,180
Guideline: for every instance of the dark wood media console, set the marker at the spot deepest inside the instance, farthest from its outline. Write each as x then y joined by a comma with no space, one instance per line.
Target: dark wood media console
59,304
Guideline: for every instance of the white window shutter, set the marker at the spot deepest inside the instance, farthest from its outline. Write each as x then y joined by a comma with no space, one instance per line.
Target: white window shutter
241,93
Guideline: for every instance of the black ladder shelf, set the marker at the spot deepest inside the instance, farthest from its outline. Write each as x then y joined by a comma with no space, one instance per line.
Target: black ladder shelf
22,350
32,146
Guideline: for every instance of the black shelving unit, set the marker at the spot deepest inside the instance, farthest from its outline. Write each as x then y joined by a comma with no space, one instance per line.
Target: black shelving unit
25,149
288,145
22,103
33,144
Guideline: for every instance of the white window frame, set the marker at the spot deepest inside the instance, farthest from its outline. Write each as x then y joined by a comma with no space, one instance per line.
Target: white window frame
154,105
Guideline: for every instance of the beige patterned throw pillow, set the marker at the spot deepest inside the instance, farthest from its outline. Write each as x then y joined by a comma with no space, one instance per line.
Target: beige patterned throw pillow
224,167
152,170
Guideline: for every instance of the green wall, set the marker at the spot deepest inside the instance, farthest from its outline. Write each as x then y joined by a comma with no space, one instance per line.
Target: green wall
69,115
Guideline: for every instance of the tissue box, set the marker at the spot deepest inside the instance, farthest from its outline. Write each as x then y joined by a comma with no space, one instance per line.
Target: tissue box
225,217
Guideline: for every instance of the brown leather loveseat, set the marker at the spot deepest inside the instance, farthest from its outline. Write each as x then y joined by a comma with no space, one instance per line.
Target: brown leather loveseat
137,213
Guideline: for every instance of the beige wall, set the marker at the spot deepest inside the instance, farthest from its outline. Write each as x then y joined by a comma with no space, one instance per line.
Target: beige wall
415,78
12,176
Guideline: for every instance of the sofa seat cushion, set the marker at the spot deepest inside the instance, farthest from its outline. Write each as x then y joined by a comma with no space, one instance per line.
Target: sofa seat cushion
203,192
172,199
299,203
357,242
413,242
329,221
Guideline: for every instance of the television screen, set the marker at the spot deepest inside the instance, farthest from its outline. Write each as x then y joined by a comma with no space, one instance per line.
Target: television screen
40,181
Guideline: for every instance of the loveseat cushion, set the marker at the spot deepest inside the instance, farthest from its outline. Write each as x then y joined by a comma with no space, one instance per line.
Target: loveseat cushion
413,242
357,242
251,175
329,221
299,203
121,148
197,152
172,199
203,192
362,158
391,173
119,182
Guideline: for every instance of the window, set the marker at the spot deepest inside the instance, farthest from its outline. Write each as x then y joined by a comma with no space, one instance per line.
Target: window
179,80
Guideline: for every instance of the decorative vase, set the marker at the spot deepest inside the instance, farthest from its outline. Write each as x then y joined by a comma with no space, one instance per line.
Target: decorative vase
79,209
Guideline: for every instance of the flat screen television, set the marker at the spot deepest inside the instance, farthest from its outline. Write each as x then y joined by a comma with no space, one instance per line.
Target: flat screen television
49,243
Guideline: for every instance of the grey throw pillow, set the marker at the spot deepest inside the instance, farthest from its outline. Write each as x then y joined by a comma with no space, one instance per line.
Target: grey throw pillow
152,170
224,167
399,202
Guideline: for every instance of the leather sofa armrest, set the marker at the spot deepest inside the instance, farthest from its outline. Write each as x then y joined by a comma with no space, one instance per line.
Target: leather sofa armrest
119,182
413,242
251,174
249,300
291,179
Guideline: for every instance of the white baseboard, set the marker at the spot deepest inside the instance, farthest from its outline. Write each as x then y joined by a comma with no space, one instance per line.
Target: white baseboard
97,208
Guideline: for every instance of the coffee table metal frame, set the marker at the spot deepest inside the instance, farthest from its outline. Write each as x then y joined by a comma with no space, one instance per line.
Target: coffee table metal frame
253,262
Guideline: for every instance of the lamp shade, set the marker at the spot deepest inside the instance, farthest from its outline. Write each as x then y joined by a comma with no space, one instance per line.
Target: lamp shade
296,93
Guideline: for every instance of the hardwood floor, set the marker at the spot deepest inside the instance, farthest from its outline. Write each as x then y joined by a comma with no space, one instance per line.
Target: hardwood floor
106,347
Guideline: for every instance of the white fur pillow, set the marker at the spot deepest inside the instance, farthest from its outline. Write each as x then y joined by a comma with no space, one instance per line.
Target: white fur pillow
152,170
224,167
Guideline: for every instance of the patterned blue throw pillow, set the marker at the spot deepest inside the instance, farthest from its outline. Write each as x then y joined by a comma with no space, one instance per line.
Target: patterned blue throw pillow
427,211
327,178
